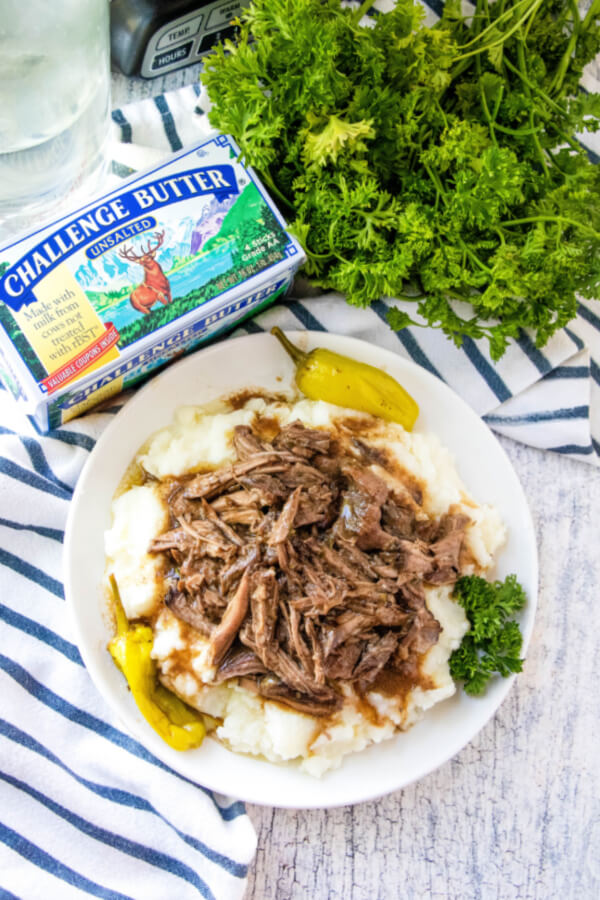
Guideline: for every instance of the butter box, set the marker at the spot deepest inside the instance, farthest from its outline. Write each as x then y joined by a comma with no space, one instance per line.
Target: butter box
96,301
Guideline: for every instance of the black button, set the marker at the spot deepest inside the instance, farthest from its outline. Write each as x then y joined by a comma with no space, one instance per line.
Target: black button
216,37
176,55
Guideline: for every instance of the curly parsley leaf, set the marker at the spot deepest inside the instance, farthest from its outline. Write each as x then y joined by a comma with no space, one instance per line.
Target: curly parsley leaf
435,164
493,643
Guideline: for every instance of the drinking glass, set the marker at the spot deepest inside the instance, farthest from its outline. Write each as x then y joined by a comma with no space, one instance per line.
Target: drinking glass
54,107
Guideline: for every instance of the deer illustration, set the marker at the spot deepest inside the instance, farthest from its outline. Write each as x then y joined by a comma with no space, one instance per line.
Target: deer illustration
156,284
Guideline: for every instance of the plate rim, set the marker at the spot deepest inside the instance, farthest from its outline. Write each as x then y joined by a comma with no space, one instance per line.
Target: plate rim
147,738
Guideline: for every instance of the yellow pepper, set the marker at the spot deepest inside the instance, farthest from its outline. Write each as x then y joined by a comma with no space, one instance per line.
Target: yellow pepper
325,375
177,723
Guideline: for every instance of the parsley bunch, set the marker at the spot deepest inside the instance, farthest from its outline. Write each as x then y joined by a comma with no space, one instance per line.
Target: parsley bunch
437,164
493,644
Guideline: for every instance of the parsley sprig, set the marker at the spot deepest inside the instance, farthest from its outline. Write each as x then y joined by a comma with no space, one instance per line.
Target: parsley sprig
438,164
493,644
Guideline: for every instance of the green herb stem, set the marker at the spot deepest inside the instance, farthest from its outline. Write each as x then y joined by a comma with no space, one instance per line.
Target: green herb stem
565,62
536,141
484,105
362,10
472,255
505,35
436,181
592,13
534,87
519,132
494,23
564,219
266,177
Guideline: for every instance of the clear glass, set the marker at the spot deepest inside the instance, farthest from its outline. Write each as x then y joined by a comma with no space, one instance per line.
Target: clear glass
54,107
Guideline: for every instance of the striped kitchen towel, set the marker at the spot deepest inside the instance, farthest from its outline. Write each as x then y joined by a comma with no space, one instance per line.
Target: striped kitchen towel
84,808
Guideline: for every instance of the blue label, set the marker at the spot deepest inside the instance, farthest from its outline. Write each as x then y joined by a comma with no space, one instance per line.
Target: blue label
117,237
18,281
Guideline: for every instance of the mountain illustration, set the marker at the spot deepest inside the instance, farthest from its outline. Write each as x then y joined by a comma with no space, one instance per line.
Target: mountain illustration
249,211
108,269
209,222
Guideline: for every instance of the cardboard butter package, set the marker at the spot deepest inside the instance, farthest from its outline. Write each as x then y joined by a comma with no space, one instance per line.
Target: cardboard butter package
91,304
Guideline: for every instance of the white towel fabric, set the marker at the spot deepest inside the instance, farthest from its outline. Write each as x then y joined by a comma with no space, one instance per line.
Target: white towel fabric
84,809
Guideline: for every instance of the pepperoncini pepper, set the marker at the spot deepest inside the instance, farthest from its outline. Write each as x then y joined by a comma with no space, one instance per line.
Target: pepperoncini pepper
178,724
325,375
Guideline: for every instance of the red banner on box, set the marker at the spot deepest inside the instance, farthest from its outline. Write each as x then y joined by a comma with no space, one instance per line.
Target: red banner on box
82,361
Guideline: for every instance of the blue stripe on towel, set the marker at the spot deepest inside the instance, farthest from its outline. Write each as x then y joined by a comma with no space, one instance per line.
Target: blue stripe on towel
310,322
75,714
74,438
542,364
12,733
486,370
436,6
119,796
34,854
575,338
86,720
41,632
40,463
593,157
32,573
168,122
408,341
573,449
238,870
251,327
121,121
149,855
588,315
568,372
53,533
13,470
231,812
554,415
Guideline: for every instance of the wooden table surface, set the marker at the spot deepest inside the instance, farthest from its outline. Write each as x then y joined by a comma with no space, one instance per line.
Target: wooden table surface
516,814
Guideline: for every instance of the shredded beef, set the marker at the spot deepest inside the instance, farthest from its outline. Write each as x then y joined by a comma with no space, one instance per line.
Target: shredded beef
239,663
246,443
226,631
304,569
375,656
190,611
285,522
303,441
304,703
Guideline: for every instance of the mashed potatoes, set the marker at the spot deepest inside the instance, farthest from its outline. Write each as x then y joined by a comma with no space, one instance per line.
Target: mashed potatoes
247,722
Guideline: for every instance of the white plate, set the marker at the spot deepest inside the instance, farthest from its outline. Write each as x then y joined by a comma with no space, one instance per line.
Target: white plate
259,361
